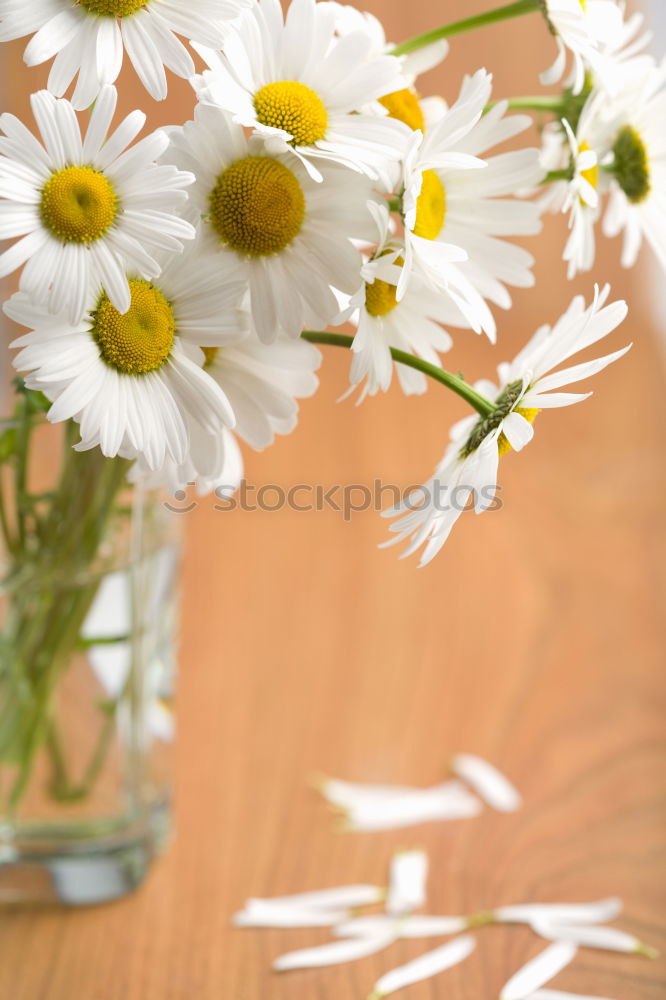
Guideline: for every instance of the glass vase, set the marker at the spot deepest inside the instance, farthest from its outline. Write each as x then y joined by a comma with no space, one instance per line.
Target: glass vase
88,609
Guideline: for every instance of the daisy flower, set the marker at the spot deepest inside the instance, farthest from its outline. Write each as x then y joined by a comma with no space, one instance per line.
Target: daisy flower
291,235
89,37
87,209
581,28
637,167
469,467
455,210
300,86
262,383
134,382
412,325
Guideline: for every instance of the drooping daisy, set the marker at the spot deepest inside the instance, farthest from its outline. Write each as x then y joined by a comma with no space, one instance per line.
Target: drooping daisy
292,236
262,383
581,28
469,467
303,88
637,167
412,325
89,37
455,213
88,210
134,382
625,135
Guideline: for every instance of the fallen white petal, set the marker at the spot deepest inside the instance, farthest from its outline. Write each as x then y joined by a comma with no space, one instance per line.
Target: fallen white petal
348,794
493,787
599,912
558,995
346,950
269,915
351,795
538,971
407,882
586,936
444,802
405,927
428,965
341,897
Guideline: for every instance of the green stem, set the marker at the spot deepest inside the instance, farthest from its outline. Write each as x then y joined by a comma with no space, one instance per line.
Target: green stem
453,382
22,453
50,621
468,24
4,522
534,103
556,175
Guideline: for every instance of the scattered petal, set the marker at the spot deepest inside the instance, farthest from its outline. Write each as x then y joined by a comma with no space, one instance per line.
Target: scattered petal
270,915
382,807
538,971
599,912
405,927
407,882
493,787
344,896
345,950
425,966
607,938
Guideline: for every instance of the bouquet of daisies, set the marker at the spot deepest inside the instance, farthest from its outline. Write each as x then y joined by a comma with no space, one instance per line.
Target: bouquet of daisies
173,286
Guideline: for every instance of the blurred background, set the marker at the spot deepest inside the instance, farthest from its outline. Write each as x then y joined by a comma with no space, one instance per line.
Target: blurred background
536,639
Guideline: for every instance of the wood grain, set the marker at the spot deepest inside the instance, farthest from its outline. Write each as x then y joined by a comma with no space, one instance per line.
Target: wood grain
536,640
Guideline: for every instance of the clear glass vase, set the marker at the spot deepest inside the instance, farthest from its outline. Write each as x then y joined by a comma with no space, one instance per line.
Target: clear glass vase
88,609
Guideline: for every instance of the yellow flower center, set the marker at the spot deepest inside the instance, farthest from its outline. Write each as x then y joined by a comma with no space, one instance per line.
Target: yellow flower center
294,108
113,8
380,298
591,175
78,204
430,207
583,4
404,106
139,341
503,445
257,206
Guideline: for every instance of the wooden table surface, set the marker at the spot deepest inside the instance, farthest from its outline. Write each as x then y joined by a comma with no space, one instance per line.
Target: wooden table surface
536,640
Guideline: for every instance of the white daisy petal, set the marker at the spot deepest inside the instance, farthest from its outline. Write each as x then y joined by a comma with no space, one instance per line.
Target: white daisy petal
345,950
599,912
407,882
409,926
425,967
493,787
538,971
266,914
588,936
